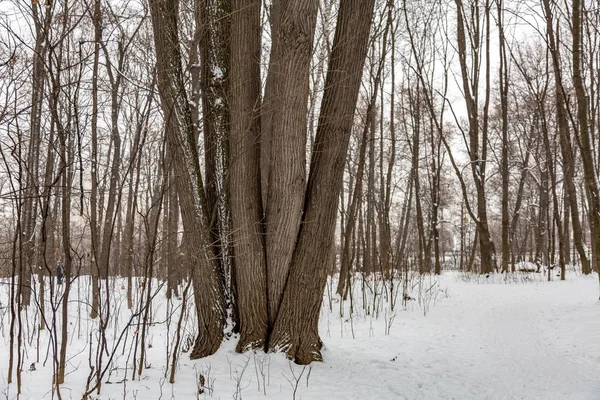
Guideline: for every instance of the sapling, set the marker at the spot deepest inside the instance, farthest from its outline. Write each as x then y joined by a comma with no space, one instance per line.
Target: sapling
295,380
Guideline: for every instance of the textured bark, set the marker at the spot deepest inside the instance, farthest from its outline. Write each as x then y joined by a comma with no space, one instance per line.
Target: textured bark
565,140
370,255
244,182
287,177
66,244
212,20
386,229
584,139
181,139
174,272
296,327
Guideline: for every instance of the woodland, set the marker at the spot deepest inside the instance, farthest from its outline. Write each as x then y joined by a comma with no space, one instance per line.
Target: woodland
243,165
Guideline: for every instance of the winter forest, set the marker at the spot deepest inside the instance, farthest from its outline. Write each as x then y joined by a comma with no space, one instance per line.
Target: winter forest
299,199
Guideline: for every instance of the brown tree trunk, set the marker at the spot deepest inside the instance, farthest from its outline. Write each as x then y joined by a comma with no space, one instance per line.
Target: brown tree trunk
213,19
296,327
287,175
583,136
94,221
244,181
347,255
477,135
114,195
565,140
503,75
181,139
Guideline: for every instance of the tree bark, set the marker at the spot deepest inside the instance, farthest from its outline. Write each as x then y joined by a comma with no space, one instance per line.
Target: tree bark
245,179
296,327
565,140
287,175
180,134
583,136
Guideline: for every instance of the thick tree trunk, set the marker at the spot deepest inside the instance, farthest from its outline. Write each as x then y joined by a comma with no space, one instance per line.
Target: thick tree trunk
287,175
244,181
181,139
296,327
212,20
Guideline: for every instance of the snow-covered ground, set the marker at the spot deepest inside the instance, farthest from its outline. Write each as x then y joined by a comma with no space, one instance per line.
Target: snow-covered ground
461,337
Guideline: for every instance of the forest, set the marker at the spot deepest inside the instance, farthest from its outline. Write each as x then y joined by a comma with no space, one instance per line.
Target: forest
233,175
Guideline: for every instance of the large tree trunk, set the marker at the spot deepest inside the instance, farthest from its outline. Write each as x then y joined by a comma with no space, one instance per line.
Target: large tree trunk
244,173
181,139
296,327
287,175
212,20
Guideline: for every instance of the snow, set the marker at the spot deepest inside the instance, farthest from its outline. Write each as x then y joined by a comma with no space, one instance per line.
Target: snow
462,337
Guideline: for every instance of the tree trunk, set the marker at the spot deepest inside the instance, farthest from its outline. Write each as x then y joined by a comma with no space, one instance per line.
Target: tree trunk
296,327
584,139
503,75
355,203
181,139
565,140
477,135
94,221
244,181
287,175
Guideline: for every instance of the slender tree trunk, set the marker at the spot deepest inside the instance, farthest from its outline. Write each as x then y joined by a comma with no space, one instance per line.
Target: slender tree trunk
565,140
355,204
584,138
477,135
503,75
94,224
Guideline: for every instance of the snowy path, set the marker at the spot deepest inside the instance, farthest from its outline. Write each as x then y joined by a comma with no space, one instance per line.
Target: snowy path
486,341
479,341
